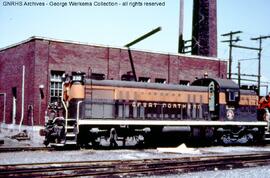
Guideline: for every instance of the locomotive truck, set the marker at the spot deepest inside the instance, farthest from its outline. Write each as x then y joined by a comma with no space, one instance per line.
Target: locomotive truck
212,110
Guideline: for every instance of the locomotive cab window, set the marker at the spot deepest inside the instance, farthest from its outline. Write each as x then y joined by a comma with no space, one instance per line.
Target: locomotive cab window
232,96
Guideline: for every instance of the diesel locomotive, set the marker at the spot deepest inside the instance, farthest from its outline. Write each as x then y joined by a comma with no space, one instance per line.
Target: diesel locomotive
210,109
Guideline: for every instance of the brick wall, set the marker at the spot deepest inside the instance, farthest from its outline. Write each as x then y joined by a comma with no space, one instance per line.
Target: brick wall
40,56
11,62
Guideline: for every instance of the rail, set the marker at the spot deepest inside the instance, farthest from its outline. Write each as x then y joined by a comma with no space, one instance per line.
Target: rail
19,149
128,168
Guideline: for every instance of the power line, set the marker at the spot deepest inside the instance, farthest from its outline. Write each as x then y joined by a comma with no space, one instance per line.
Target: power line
247,59
231,45
260,38
247,75
245,47
230,41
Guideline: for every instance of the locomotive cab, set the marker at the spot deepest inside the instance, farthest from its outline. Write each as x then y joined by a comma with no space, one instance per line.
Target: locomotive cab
223,95
229,104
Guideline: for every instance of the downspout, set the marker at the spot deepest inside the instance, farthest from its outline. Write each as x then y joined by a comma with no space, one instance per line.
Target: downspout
22,111
5,103
14,108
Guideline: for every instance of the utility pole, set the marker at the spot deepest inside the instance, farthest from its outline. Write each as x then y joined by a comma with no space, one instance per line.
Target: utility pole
239,74
260,38
231,40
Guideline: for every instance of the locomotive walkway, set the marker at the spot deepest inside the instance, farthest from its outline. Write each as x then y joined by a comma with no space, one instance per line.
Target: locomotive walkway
140,167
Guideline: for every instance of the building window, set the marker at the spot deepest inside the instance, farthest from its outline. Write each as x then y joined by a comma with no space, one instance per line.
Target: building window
160,80
56,85
144,79
184,82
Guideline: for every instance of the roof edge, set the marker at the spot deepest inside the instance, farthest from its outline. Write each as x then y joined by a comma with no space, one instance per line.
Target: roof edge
107,46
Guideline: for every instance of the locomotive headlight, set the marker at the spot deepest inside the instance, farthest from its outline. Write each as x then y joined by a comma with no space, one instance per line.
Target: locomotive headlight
230,114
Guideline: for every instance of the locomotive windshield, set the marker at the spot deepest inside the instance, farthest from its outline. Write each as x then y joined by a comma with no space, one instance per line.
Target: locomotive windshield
232,96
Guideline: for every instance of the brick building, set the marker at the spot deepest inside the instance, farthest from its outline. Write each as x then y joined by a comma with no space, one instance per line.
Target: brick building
34,67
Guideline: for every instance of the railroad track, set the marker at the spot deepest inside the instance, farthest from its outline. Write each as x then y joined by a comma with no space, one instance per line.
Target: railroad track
127,168
17,149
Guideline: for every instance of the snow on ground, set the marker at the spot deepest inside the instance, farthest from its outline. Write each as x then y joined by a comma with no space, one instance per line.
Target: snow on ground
7,131
182,149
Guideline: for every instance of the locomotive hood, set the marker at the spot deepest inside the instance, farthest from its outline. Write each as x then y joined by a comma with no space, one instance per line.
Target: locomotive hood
223,84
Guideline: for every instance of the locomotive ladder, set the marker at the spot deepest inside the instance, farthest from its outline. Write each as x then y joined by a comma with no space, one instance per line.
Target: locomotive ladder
72,127
267,128
71,134
267,132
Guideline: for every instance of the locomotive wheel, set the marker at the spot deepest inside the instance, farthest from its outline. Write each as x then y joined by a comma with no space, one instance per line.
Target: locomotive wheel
202,136
46,143
226,139
113,138
210,135
154,138
196,135
241,139
196,132
95,143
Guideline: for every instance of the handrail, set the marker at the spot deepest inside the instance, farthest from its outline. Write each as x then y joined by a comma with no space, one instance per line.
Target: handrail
267,119
78,115
65,107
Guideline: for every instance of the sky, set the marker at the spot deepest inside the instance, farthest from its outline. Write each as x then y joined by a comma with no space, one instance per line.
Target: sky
119,25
